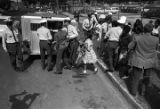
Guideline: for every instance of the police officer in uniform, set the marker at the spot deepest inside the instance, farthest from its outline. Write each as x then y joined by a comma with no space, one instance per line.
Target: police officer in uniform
45,38
11,44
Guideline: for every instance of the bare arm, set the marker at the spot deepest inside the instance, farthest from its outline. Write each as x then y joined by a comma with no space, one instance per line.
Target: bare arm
4,42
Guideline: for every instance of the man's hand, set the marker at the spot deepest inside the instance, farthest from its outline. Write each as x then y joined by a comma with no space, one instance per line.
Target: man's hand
5,49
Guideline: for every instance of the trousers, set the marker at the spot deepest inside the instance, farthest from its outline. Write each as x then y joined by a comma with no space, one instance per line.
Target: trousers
45,47
15,54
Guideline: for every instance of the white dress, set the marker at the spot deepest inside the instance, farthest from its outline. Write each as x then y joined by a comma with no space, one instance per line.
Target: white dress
90,55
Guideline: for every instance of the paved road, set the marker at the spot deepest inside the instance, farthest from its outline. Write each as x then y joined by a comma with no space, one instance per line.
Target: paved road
65,91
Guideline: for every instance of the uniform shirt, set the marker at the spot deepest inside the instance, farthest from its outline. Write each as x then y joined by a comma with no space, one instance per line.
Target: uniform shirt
44,33
72,32
114,34
9,37
87,25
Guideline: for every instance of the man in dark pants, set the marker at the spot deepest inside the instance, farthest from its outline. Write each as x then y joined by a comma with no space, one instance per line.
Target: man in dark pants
60,39
113,36
11,44
72,36
45,44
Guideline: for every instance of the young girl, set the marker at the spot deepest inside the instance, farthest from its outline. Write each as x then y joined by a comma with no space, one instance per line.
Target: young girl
90,56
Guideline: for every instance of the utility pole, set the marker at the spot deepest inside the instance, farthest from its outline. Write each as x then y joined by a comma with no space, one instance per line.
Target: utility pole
57,10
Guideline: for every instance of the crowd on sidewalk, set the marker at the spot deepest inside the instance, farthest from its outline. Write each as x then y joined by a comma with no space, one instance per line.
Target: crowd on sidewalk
129,49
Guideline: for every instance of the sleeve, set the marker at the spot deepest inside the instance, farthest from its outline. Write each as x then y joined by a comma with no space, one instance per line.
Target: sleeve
4,41
107,34
132,44
49,35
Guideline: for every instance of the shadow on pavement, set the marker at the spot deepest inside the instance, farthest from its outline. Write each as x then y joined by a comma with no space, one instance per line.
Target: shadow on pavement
23,103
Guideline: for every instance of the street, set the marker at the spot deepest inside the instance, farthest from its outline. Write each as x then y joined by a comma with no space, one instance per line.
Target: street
66,91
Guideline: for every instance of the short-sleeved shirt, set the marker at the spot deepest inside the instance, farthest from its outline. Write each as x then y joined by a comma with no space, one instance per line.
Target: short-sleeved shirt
44,33
9,37
114,33
72,32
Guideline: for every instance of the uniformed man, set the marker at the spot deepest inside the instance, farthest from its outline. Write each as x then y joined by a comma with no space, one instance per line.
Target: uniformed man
11,44
45,38
73,41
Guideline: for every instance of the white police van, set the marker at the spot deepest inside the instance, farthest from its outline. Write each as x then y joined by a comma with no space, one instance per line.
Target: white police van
31,22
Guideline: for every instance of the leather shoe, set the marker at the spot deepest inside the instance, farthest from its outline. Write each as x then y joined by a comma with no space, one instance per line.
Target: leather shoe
57,72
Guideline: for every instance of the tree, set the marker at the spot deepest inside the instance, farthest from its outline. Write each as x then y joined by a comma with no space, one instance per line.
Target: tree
5,4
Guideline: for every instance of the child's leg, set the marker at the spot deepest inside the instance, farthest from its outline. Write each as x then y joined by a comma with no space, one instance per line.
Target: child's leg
85,68
95,68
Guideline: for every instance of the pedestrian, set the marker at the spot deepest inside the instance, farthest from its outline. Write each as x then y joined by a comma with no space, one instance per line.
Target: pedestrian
113,36
72,36
61,45
90,55
11,44
144,56
124,40
87,26
156,28
45,38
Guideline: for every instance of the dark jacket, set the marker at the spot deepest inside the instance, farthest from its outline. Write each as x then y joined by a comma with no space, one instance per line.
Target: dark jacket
144,51
60,38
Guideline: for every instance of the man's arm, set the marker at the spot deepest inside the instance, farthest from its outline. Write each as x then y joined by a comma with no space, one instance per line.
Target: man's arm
49,35
4,42
83,25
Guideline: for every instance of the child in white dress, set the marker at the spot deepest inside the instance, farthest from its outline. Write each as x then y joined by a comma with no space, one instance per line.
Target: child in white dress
90,55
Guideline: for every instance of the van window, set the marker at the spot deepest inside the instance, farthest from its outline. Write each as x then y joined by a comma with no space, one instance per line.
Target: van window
34,26
55,24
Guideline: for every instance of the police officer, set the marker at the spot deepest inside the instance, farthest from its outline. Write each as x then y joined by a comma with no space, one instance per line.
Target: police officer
45,38
11,44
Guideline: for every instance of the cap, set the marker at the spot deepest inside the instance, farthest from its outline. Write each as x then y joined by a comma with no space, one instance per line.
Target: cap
43,21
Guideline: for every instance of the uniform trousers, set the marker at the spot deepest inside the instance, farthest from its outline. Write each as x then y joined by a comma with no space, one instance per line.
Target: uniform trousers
15,54
45,47
73,47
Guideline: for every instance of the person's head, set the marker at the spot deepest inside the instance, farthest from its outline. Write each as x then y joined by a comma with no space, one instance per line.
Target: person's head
138,27
157,23
67,21
126,29
89,16
43,22
151,21
148,28
9,23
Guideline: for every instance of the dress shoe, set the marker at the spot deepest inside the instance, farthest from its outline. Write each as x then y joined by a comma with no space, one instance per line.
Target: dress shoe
57,72
67,68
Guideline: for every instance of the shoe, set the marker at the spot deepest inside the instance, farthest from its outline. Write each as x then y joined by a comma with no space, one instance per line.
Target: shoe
67,68
49,69
95,70
84,72
57,72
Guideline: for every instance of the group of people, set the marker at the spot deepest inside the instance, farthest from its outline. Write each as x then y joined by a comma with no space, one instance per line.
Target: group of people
129,49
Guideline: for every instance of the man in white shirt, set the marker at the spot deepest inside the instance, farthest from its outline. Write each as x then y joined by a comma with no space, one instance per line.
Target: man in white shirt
73,40
113,36
45,38
87,26
11,44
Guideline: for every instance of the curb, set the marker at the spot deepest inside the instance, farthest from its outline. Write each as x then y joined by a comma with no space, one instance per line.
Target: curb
121,88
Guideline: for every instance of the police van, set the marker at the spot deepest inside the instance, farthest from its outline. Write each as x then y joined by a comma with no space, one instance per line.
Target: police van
31,22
